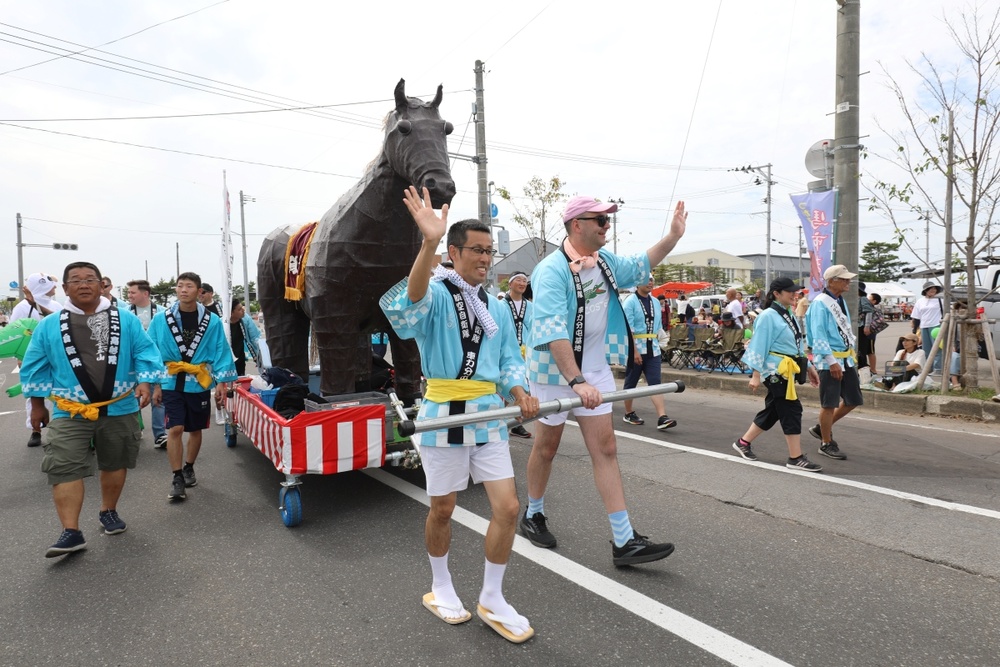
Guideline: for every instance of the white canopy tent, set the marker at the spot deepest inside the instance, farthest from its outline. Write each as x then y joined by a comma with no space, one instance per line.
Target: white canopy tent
889,290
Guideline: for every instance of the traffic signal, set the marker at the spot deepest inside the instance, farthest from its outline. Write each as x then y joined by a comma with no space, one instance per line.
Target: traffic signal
64,246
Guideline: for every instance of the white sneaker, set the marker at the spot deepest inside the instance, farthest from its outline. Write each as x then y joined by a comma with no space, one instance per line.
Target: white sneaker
220,416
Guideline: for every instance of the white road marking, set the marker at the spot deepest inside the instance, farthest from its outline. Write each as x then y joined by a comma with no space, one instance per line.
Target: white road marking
9,412
928,427
903,495
687,628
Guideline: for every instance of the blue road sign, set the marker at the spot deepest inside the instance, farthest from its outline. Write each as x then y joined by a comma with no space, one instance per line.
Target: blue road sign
494,210
13,284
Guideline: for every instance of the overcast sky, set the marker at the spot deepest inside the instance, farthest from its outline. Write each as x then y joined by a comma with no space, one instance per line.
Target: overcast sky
647,102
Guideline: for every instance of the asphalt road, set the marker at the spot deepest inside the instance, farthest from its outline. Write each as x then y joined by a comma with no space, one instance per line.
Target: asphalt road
889,558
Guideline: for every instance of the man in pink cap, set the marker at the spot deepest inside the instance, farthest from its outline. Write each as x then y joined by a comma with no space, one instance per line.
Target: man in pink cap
578,329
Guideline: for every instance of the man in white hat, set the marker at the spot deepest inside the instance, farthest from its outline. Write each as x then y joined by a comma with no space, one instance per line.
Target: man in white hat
39,288
831,336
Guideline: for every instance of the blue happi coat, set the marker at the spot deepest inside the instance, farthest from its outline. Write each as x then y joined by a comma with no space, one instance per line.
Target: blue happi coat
555,310
636,317
433,323
213,350
46,369
771,334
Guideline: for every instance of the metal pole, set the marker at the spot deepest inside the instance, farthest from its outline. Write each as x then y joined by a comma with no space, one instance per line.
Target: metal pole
243,236
20,260
481,176
147,270
767,257
547,408
846,139
800,254
177,250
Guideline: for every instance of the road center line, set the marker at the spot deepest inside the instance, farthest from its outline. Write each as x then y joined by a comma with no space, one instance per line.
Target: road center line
687,628
903,495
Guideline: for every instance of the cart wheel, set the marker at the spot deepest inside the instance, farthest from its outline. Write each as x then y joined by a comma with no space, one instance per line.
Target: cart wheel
290,506
230,435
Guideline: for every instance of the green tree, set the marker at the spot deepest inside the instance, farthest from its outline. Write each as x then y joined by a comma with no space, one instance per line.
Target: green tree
537,211
880,263
950,144
163,291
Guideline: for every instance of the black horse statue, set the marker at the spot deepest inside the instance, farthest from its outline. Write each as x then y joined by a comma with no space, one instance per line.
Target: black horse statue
361,247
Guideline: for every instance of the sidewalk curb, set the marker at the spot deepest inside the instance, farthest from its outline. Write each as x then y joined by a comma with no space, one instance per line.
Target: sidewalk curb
914,404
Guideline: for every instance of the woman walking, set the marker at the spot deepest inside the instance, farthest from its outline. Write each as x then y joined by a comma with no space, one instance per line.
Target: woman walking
776,354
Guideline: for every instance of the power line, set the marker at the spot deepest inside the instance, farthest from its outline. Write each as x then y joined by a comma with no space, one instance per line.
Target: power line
179,152
126,229
190,115
133,34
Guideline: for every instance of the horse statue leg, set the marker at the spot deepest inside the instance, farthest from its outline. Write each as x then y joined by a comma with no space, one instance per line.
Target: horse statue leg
406,360
286,326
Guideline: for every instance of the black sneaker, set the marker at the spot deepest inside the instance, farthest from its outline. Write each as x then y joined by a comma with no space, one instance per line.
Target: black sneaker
745,451
832,450
112,523
802,463
35,439
665,422
534,528
189,478
70,541
634,419
177,488
639,550
519,431
160,442
815,432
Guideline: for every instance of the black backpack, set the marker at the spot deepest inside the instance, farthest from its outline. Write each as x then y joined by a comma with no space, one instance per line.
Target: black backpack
291,400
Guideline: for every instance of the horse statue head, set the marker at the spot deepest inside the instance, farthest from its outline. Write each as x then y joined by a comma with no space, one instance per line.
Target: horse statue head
415,145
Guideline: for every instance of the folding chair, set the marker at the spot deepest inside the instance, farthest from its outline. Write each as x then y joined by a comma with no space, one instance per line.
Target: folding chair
677,344
730,360
697,354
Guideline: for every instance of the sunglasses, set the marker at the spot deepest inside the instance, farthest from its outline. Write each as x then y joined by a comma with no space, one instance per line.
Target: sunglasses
602,220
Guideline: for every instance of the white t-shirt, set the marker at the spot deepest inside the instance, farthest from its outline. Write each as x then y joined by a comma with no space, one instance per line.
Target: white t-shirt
595,321
736,308
928,311
24,309
145,314
917,357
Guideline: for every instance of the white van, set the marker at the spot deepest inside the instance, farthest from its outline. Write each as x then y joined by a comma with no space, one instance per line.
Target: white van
706,301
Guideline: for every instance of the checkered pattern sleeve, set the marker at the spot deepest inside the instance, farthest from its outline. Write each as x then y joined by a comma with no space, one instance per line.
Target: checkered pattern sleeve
405,316
512,370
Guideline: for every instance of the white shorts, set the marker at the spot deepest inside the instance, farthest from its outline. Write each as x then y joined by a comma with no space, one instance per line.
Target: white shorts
447,469
604,380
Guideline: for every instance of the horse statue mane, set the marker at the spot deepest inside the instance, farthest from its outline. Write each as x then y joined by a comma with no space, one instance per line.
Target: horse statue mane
361,247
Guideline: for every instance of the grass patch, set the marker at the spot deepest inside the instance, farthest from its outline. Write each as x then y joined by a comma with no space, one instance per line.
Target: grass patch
981,394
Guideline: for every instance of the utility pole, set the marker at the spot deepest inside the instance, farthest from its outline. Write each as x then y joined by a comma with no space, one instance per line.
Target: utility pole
482,178
177,251
614,223
764,171
245,199
846,140
20,260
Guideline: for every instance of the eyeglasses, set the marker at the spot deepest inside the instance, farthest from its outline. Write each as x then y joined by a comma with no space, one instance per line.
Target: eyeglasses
478,250
602,220
85,281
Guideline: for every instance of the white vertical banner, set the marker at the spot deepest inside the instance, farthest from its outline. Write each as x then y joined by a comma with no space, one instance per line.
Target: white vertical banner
226,260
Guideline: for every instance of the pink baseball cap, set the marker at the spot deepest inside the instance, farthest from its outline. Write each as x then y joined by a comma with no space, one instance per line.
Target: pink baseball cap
578,205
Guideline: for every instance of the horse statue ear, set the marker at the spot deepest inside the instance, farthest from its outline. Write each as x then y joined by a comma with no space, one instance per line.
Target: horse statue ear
437,98
400,94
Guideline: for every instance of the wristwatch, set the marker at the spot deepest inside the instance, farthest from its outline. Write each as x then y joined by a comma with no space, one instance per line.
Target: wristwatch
579,379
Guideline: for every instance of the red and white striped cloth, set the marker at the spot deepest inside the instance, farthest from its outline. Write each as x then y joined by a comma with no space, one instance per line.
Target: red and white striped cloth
321,443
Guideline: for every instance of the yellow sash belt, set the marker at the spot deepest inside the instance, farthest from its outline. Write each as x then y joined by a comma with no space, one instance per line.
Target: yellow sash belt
787,369
644,335
89,411
844,355
443,391
199,371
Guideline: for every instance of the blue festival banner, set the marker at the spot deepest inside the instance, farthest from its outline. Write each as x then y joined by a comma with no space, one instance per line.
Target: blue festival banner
817,212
